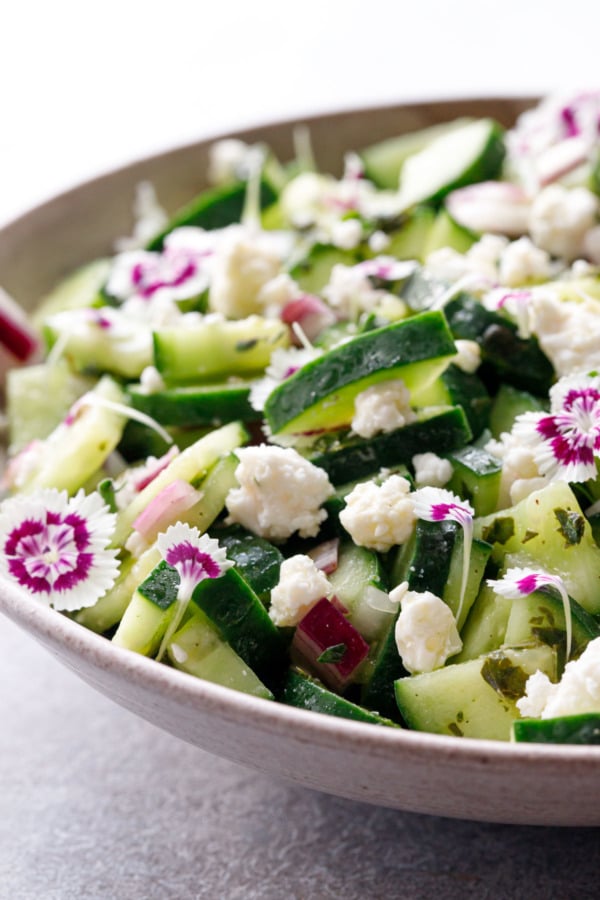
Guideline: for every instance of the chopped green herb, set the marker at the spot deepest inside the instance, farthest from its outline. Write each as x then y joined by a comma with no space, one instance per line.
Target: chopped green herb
333,654
500,531
503,676
529,535
571,526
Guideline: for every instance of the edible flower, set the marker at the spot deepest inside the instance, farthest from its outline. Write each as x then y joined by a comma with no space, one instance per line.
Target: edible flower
57,547
515,302
439,505
566,441
519,582
195,557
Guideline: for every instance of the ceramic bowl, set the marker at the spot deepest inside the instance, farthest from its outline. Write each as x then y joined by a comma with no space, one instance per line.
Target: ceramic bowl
483,780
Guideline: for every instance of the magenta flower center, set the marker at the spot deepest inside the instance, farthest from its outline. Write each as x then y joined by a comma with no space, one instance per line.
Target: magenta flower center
192,564
50,554
574,433
442,512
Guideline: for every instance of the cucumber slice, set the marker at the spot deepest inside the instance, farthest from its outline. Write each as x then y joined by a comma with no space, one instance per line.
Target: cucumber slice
38,398
257,560
217,348
515,360
191,465
509,403
199,650
321,394
579,729
480,553
457,388
445,232
424,562
215,208
209,404
476,478
149,612
541,617
76,450
411,239
313,272
110,608
307,693
358,570
474,699
548,530
80,289
473,152
383,162
231,604
359,458
486,625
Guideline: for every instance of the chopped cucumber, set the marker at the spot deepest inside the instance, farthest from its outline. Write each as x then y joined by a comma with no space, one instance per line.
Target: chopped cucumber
548,529
76,291
257,560
307,693
475,699
149,612
321,394
464,155
208,404
109,609
509,403
476,478
199,649
38,398
486,624
215,349
579,729
313,271
358,572
383,162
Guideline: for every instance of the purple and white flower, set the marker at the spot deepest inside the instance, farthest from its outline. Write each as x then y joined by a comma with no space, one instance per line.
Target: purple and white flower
439,505
57,547
520,582
195,557
566,441
515,302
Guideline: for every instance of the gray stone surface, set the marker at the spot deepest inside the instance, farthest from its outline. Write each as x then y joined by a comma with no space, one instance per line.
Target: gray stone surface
95,803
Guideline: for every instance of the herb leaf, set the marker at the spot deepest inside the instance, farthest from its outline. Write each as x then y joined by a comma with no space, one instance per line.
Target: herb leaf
333,654
504,677
571,526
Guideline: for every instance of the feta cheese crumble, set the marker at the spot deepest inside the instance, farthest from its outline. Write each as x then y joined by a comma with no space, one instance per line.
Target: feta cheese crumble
560,218
382,408
379,516
468,356
301,585
431,469
425,632
245,261
279,493
567,331
520,473
578,691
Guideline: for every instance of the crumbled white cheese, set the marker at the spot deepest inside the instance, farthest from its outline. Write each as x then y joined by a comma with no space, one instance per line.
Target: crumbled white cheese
378,241
468,357
425,632
301,585
346,233
578,691
350,291
567,331
431,469
480,260
151,380
379,516
274,294
560,217
522,262
233,160
381,408
520,474
279,493
244,263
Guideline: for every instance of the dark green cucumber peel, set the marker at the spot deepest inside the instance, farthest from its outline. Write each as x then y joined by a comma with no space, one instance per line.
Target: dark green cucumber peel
377,355
579,729
358,458
161,586
214,208
256,559
515,360
466,389
307,693
231,604
313,272
425,563
197,405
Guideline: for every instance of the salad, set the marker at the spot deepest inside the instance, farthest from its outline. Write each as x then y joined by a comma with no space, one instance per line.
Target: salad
334,441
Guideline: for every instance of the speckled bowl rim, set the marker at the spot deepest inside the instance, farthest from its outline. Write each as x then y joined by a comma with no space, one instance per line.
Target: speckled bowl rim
63,636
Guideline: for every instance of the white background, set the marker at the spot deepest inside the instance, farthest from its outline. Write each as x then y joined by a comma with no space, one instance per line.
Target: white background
85,86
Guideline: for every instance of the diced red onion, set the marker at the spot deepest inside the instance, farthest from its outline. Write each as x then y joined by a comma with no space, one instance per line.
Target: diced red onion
311,313
491,206
166,508
324,627
560,159
325,556
16,335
